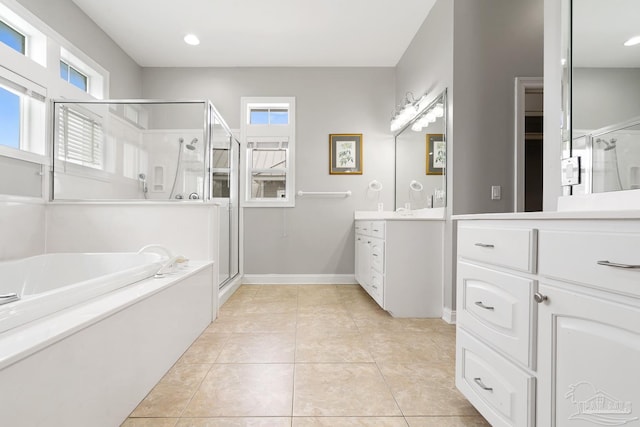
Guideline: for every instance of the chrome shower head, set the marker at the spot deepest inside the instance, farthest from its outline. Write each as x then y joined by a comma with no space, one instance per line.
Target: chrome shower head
192,144
608,145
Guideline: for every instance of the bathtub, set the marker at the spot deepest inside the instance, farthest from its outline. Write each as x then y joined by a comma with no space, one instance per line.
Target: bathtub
49,283
91,336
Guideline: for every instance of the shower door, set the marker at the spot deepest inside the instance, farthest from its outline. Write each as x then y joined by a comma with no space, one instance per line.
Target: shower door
224,185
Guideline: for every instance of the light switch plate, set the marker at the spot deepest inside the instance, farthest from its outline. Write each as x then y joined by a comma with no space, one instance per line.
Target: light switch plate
496,192
571,171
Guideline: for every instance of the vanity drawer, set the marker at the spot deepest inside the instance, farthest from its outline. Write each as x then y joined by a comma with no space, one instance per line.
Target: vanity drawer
508,247
370,228
377,254
574,256
377,229
497,307
497,388
376,288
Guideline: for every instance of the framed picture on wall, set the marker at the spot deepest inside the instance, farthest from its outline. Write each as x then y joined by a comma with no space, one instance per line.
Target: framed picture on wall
436,154
345,154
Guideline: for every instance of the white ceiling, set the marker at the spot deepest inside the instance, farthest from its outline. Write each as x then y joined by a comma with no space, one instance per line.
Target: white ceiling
599,30
261,32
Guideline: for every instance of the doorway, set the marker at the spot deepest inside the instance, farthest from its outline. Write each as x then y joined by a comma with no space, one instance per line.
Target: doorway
529,144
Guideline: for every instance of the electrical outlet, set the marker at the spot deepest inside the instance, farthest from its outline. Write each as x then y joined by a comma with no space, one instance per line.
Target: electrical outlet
496,192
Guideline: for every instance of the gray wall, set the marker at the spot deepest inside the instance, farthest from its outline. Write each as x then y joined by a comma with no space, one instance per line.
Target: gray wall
494,42
427,66
604,96
475,49
315,237
69,21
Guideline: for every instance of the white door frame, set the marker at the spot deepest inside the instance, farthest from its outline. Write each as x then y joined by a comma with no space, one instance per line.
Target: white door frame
521,85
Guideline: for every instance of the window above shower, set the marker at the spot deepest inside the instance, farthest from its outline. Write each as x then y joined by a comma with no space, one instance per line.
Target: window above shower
132,150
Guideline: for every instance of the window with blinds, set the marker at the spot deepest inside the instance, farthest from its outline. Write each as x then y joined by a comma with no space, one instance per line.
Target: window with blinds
81,139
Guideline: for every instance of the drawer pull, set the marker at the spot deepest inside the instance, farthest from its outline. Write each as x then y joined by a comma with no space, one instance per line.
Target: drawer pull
481,384
481,305
376,230
375,255
616,265
485,245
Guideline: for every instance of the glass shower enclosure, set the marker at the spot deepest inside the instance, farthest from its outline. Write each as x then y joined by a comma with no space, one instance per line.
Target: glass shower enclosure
149,151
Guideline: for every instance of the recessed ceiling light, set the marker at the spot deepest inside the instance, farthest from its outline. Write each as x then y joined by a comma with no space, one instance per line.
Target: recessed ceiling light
632,41
192,39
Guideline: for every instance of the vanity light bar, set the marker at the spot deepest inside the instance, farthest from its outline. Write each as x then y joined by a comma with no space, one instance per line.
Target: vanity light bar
411,108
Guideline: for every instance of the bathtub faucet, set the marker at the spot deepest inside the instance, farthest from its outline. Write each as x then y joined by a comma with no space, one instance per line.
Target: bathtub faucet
169,265
156,249
7,298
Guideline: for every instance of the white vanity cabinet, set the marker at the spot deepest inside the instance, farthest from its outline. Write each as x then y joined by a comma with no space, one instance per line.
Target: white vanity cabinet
399,263
549,319
495,318
589,326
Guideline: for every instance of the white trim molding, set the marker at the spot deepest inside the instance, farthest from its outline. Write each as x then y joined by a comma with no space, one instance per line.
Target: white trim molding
521,86
449,315
299,279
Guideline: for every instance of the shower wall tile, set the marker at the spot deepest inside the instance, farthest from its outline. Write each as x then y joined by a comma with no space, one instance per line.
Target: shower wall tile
22,229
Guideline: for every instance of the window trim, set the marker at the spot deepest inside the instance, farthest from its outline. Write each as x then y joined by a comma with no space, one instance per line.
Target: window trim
268,133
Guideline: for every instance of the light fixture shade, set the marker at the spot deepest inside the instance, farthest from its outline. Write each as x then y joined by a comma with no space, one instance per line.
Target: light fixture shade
632,41
192,39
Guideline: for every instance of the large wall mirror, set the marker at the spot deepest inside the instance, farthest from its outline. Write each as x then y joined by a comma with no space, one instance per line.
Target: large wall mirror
421,156
605,93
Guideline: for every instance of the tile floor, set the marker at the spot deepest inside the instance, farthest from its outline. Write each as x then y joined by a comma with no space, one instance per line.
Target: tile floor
311,356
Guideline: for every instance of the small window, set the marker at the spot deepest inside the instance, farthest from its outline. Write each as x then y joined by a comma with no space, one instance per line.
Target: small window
268,169
73,76
269,116
22,117
12,38
80,139
9,118
268,134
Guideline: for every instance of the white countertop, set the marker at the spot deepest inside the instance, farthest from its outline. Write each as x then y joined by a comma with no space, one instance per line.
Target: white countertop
435,214
550,215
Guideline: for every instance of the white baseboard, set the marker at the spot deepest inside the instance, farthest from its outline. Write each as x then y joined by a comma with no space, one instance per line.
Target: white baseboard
449,315
228,290
299,279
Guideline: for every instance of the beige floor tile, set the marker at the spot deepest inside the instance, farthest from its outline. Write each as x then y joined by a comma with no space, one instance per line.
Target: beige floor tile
205,349
235,422
398,347
447,422
269,305
332,347
342,389
349,288
258,348
426,389
244,390
277,290
325,323
172,394
149,422
258,323
349,422
317,289
337,309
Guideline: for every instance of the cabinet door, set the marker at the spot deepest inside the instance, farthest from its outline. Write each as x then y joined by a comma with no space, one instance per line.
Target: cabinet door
363,260
588,359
